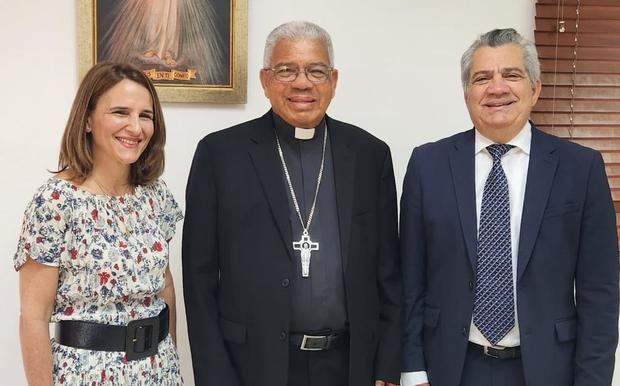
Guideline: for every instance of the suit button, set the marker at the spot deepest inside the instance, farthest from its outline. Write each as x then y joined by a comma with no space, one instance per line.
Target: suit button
285,283
471,285
282,335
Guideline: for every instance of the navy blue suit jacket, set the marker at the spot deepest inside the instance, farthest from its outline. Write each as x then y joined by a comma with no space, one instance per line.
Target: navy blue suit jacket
567,270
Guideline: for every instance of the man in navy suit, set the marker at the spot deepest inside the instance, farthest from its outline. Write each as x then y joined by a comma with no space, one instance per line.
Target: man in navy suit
508,242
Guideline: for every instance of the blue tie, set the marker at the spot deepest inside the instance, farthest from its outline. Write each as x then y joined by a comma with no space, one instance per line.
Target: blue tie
494,312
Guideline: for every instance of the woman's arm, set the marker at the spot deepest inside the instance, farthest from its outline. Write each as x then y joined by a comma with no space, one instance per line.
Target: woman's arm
169,297
37,291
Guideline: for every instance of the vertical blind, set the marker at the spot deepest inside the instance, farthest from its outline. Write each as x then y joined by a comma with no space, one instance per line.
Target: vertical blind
578,43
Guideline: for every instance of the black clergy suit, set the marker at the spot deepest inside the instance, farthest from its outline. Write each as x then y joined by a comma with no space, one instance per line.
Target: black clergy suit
238,256
567,268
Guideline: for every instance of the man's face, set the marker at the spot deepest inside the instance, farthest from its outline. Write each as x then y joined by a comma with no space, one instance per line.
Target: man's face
500,95
300,103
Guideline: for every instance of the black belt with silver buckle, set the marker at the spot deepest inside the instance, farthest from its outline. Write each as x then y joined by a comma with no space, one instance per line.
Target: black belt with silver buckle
139,339
315,342
499,352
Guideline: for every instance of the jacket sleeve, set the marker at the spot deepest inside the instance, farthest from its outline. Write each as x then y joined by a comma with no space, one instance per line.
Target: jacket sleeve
413,263
596,284
211,362
387,364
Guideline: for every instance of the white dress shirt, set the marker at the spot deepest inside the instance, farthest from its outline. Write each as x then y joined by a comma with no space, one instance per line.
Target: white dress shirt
515,164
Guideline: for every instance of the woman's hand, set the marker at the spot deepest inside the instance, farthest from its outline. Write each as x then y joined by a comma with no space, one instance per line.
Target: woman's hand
169,297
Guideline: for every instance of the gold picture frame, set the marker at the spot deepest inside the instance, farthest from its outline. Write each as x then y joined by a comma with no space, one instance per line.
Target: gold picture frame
104,34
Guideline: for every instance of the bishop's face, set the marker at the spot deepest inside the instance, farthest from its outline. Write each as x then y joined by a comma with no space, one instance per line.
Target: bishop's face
301,103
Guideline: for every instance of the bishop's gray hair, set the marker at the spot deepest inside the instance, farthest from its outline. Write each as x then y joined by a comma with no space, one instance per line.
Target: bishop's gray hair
500,37
297,30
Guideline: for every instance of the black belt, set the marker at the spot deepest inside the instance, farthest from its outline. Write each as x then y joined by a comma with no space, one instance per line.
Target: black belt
316,342
139,339
498,352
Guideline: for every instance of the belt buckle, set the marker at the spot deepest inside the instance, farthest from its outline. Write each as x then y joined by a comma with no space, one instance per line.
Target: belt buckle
306,343
142,338
490,354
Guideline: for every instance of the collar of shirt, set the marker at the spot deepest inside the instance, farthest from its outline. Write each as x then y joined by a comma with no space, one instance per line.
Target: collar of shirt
521,141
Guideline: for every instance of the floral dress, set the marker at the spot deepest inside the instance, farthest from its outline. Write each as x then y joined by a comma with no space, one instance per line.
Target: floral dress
111,253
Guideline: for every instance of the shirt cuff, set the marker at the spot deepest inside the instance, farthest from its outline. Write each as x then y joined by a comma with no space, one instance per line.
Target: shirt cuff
413,378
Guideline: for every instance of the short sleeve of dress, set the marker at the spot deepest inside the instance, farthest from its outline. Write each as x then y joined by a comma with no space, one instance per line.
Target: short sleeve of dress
169,212
44,227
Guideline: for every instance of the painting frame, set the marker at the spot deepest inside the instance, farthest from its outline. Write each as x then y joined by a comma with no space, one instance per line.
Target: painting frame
234,92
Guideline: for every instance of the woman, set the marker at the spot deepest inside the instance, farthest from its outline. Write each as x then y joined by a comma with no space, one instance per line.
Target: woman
93,252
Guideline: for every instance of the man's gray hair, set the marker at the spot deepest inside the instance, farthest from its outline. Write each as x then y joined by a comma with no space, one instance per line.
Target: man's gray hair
500,37
297,30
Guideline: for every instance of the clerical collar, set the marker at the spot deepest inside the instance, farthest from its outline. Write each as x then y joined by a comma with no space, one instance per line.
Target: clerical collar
290,132
304,133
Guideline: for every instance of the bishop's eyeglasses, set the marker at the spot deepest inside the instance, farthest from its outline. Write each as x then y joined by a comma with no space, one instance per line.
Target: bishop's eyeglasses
316,73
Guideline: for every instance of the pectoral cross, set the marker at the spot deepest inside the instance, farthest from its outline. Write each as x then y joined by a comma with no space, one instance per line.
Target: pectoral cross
305,246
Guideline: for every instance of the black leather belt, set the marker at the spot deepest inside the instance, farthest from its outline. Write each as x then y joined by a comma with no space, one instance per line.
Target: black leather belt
498,352
315,342
139,339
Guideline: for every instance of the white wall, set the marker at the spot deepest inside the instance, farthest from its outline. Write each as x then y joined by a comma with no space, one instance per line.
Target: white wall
399,79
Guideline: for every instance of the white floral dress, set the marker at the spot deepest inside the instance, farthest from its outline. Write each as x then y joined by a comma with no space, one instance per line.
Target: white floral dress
111,253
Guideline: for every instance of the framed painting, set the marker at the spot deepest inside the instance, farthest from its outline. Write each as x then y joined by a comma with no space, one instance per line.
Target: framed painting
192,50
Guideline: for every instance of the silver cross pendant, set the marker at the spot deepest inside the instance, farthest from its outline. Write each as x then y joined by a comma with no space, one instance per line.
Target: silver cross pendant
305,246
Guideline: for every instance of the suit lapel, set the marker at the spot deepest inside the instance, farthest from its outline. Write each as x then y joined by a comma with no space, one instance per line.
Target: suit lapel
264,154
344,177
541,169
463,177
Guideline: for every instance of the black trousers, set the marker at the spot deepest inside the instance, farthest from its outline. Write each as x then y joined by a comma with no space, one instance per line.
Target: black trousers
318,368
482,370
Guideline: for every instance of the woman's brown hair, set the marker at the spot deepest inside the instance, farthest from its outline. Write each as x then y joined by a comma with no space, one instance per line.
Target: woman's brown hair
76,156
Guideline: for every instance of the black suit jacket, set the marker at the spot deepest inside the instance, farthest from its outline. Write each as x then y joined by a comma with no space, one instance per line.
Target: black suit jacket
237,256
567,270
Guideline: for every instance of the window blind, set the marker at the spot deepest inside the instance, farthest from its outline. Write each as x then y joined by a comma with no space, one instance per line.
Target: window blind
578,43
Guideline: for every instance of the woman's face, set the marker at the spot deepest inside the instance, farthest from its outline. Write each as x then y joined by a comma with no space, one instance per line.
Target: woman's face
121,124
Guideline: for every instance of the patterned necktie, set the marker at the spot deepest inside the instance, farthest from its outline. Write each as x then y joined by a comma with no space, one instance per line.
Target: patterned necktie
494,313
